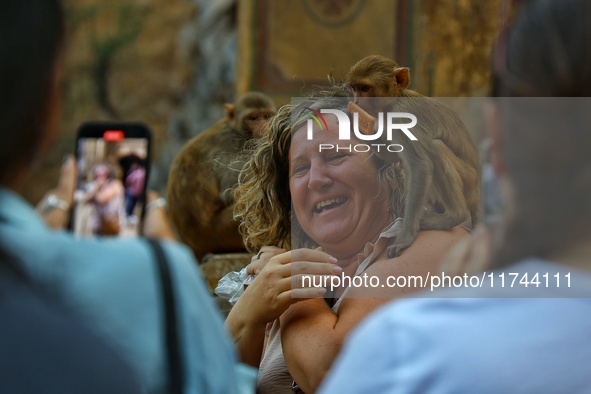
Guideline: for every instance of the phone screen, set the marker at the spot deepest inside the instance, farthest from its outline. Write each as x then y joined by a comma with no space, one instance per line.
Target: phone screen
113,167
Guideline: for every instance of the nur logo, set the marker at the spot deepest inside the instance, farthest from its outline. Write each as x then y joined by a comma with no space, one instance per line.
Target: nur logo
345,129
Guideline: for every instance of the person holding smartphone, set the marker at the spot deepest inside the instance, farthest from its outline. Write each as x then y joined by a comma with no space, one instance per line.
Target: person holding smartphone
73,360
112,284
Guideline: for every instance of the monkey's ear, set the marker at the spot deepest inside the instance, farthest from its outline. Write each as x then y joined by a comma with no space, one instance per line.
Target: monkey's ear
401,78
230,112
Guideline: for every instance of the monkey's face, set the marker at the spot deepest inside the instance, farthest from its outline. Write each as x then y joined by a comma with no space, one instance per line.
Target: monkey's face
336,196
365,94
363,90
254,122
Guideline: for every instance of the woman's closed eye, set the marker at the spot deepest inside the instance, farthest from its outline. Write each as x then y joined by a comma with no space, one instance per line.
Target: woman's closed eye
299,169
337,157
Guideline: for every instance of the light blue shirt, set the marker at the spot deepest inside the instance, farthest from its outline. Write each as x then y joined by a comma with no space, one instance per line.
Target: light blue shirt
474,345
113,284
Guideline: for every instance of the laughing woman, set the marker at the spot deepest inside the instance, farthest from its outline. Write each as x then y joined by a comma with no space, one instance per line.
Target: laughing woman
337,212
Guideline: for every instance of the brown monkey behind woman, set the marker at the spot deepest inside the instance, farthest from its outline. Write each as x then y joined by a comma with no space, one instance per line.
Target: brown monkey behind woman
204,172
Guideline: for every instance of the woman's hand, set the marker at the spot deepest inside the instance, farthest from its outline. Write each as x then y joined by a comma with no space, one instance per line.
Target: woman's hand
55,205
259,260
279,284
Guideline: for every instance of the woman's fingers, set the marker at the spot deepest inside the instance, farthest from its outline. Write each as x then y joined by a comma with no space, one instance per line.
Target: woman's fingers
259,260
303,256
311,255
282,274
267,250
296,295
304,262
67,180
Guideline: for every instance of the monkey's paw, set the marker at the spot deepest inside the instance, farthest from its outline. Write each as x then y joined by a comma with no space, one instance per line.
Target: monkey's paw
395,251
402,242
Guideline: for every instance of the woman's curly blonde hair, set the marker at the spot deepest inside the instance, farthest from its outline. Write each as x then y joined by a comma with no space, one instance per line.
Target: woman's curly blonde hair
262,200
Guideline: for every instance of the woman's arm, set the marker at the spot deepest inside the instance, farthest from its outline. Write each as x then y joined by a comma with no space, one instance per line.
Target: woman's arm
312,334
247,331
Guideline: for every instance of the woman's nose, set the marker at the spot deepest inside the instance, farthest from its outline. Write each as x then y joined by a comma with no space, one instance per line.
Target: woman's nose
319,177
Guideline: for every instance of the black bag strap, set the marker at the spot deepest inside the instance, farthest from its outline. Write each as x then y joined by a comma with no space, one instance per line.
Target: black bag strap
175,364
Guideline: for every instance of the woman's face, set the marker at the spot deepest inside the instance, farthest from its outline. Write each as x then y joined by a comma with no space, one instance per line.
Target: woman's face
101,172
336,196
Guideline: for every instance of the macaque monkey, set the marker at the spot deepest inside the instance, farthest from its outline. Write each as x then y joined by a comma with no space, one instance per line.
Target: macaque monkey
206,170
441,168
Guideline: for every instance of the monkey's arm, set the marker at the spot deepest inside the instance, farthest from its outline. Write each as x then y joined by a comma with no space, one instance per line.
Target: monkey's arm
418,175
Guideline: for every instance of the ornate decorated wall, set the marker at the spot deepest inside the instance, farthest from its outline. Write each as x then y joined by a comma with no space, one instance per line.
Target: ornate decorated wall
286,47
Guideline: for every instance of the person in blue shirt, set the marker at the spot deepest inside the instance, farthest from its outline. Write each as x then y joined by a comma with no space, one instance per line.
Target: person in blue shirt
532,335
112,285
45,349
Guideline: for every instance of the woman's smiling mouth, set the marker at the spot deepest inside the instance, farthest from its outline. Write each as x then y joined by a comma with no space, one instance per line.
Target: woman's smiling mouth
329,204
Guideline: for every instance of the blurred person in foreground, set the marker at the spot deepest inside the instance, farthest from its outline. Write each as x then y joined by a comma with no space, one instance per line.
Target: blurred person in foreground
45,349
532,335
112,285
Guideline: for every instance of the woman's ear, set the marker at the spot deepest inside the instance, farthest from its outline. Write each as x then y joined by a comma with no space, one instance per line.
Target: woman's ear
493,125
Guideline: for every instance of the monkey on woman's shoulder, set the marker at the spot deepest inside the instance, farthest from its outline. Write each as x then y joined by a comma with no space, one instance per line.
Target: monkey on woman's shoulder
441,168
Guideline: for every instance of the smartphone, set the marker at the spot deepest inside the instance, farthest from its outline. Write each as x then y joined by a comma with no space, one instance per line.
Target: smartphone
113,168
